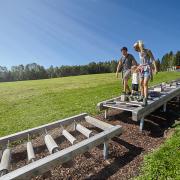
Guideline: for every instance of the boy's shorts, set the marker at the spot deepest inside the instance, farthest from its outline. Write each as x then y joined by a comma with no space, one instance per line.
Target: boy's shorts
135,87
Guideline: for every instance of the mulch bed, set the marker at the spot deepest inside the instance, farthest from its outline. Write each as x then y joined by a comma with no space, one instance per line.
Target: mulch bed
125,152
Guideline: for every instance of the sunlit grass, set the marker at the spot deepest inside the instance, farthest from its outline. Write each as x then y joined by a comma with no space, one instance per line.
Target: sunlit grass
28,104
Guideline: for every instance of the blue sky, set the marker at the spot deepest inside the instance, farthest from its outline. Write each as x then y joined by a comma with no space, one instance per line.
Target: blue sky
74,32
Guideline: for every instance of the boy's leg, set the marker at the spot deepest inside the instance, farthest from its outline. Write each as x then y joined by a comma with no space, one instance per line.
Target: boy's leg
132,91
136,89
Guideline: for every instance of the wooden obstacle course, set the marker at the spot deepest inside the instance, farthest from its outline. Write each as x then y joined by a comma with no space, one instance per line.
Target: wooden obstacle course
56,154
166,92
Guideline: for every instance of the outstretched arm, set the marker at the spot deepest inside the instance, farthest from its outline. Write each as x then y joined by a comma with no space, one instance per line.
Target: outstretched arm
153,60
118,67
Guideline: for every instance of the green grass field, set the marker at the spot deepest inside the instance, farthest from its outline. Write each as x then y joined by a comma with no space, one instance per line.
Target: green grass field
28,104
164,162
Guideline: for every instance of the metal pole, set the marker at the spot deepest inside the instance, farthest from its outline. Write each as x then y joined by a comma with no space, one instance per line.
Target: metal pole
178,98
106,148
105,114
164,107
141,124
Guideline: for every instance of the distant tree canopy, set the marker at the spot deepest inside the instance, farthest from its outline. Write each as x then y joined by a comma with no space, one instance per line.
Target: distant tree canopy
170,59
34,71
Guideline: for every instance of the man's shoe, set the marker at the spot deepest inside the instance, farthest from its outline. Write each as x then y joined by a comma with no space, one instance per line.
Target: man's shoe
140,99
129,93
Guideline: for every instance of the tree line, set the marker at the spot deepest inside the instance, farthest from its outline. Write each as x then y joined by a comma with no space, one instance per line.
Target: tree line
35,71
169,60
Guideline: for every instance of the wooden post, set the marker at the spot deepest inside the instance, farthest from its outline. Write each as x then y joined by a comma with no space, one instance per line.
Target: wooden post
106,148
141,124
178,98
105,113
164,107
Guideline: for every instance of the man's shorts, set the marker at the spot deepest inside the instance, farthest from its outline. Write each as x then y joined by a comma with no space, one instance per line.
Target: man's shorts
127,74
135,87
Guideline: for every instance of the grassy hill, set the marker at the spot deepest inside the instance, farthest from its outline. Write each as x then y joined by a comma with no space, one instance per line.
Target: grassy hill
27,104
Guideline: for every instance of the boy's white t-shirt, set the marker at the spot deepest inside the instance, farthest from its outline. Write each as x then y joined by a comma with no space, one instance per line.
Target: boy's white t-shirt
135,78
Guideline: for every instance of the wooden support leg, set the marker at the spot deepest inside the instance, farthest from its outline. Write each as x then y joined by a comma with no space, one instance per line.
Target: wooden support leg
105,151
105,113
141,124
164,107
74,126
178,98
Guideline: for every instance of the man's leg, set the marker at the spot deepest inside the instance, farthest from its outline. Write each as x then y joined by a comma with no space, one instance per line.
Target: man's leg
126,87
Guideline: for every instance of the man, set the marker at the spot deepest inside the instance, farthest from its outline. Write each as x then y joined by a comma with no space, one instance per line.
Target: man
125,63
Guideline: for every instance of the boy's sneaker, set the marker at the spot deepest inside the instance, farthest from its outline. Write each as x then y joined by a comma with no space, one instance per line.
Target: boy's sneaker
131,98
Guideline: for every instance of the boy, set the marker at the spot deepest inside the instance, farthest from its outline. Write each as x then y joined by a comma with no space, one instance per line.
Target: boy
135,80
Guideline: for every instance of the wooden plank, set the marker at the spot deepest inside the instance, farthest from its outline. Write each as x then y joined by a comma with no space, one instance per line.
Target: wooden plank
133,103
101,106
68,136
119,107
33,131
99,124
83,130
40,166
